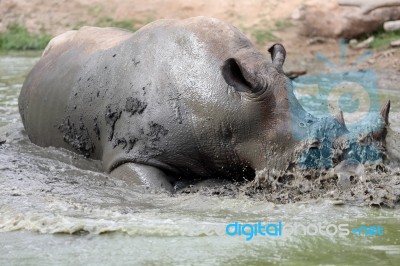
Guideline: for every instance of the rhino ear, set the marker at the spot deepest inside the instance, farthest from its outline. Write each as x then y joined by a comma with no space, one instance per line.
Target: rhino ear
238,77
278,55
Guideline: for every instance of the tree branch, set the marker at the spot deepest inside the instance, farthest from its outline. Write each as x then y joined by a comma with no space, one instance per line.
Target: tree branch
369,5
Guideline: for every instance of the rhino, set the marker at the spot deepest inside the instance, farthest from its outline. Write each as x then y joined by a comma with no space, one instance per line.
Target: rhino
176,100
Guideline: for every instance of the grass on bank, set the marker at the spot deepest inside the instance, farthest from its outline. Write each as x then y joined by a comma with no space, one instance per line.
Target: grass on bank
282,25
106,21
262,36
110,22
17,37
382,39
264,32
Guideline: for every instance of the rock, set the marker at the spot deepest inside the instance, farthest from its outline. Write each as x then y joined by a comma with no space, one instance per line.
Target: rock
364,44
316,40
395,43
332,21
391,25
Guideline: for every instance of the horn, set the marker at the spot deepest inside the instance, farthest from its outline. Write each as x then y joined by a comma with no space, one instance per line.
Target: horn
385,112
339,117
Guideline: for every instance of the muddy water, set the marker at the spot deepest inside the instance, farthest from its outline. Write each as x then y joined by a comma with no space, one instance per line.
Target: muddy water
57,208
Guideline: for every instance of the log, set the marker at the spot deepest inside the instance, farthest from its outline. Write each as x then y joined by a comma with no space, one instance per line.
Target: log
391,25
292,74
395,43
369,5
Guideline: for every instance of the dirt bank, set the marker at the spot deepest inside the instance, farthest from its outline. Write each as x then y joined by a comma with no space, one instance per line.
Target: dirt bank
265,22
58,16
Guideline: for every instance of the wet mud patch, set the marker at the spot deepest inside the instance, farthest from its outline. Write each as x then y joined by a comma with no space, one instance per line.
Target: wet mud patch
134,106
96,127
378,186
156,131
127,143
113,113
223,188
77,136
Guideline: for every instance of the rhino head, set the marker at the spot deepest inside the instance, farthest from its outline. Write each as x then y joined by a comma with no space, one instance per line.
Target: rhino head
280,134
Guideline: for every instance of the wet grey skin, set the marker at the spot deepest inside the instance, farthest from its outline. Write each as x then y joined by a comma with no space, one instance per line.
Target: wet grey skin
176,100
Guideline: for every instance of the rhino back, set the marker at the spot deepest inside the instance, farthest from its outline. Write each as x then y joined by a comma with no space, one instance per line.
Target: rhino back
142,97
44,98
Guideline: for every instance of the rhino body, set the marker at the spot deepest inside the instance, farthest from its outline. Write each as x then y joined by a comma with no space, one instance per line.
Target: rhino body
177,99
